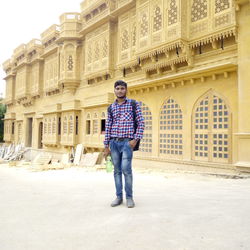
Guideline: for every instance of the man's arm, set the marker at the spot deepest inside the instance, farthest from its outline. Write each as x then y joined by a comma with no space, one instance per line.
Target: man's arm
140,122
140,126
108,126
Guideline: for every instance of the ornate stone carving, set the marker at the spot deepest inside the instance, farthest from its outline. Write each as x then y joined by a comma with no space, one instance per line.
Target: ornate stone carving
172,12
199,10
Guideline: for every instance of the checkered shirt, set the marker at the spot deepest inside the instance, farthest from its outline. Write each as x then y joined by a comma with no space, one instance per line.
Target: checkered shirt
122,124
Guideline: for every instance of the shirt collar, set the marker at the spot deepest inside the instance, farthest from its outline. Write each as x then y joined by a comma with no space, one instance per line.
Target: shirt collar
126,99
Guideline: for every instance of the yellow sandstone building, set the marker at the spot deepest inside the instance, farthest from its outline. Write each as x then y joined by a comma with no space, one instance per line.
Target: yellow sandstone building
186,61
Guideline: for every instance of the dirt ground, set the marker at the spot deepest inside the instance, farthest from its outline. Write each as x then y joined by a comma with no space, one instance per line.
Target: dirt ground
70,210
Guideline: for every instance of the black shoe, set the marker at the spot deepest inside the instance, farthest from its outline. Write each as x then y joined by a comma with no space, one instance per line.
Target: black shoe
116,202
130,203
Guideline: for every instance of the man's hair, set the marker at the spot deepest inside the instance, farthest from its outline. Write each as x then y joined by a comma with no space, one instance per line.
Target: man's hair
120,83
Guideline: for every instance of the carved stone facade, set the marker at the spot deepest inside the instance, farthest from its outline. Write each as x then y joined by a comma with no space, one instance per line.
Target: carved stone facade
186,62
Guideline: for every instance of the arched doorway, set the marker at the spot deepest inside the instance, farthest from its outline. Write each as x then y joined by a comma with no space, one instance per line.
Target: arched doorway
171,130
212,129
147,140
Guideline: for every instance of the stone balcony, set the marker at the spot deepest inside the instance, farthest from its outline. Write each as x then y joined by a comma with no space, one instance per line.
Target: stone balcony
21,49
95,14
8,100
48,38
10,116
7,65
33,44
120,6
53,30
89,5
19,56
71,23
34,49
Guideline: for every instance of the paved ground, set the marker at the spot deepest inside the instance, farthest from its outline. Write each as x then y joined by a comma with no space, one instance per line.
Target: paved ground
70,210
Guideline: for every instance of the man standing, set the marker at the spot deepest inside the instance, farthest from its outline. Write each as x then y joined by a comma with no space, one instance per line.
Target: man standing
120,140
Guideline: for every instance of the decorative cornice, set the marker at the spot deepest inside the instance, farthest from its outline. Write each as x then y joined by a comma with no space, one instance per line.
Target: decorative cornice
165,63
162,49
182,78
214,37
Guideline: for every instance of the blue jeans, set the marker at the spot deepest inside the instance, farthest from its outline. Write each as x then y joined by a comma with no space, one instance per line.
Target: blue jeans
122,154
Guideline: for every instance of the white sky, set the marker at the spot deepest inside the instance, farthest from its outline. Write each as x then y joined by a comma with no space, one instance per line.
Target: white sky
21,21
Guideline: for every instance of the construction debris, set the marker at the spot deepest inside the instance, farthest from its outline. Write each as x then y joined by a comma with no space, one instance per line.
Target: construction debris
12,152
15,156
90,159
78,154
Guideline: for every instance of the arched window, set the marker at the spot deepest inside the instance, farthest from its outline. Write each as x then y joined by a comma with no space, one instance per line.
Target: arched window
146,142
144,25
96,51
89,53
171,130
172,12
71,126
105,48
157,19
49,126
45,126
199,10
125,40
95,123
211,129
19,132
54,125
88,124
65,125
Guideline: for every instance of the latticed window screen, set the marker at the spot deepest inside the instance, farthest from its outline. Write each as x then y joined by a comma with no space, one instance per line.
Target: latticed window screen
19,131
105,49
89,52
95,126
146,142
201,128
134,35
211,123
54,126
172,12
199,10
125,40
71,125
49,126
221,5
157,19
144,25
45,126
96,51
171,135
65,125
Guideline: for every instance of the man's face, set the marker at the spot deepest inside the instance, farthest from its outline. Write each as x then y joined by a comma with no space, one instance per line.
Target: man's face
120,91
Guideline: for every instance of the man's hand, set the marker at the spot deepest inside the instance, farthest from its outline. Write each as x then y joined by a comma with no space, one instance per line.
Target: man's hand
106,152
132,143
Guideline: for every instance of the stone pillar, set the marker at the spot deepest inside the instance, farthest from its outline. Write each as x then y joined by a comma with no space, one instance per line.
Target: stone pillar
243,135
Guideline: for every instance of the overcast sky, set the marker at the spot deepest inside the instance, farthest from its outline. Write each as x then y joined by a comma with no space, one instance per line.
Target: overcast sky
21,21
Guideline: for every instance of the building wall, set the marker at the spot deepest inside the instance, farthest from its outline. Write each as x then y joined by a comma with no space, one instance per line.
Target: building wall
179,58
